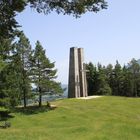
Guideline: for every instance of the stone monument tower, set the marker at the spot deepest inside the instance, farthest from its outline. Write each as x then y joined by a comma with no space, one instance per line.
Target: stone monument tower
77,74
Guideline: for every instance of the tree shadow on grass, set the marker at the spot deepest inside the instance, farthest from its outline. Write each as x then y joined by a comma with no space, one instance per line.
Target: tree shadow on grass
4,120
5,115
30,110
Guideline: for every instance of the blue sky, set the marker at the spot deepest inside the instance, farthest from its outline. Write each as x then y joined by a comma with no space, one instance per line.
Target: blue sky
106,36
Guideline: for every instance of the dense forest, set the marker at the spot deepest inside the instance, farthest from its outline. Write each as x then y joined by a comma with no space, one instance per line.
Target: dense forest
114,80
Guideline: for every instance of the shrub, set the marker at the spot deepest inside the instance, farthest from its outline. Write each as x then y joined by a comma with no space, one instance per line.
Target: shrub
4,112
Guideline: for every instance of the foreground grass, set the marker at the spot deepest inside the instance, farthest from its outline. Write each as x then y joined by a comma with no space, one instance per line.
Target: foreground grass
106,118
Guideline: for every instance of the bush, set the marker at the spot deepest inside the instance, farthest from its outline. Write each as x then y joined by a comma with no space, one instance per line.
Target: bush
4,112
105,90
4,102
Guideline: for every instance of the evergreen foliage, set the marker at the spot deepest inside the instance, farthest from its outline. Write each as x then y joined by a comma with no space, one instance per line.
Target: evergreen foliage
20,67
9,9
22,55
117,80
8,23
43,72
5,56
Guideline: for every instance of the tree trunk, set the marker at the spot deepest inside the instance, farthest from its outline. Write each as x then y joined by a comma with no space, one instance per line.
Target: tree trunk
24,99
40,97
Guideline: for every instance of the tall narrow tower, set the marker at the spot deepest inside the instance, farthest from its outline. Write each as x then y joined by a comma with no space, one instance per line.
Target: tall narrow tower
77,74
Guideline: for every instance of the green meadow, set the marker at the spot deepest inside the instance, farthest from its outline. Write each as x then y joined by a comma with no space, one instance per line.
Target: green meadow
105,118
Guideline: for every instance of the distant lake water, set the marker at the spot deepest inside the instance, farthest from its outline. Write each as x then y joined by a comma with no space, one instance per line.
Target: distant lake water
46,98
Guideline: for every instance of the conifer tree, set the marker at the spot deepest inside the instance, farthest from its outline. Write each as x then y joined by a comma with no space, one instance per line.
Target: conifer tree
43,72
23,54
5,59
2,64
103,86
97,80
109,74
134,68
127,83
118,79
122,81
91,78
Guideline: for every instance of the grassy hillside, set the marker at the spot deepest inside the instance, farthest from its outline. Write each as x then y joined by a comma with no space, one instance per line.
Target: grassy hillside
106,118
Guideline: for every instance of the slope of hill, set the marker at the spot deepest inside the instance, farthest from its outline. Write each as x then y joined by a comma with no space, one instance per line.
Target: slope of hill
105,118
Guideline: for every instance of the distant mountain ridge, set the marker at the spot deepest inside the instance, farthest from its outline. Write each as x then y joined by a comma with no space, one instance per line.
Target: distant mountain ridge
65,86
138,61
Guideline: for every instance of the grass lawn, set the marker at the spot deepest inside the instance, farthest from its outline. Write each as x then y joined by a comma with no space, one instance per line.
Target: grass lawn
106,118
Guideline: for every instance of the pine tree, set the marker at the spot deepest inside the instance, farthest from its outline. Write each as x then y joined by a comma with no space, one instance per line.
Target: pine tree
118,81
10,85
91,78
43,73
2,64
5,58
134,68
23,54
117,84
128,82
103,86
109,74
8,23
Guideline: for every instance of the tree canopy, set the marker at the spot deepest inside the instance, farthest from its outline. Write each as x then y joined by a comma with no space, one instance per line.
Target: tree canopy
22,69
9,9
74,7
8,23
117,80
43,73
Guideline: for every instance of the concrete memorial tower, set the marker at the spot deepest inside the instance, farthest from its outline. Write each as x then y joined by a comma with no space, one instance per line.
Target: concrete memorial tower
77,74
